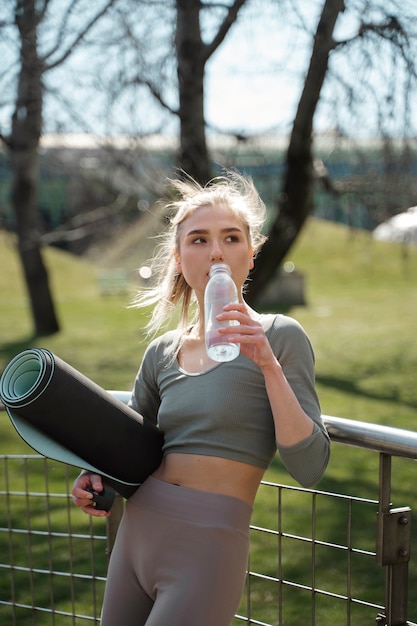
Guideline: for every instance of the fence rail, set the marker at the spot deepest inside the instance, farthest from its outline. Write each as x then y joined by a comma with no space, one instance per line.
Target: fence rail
53,560
384,439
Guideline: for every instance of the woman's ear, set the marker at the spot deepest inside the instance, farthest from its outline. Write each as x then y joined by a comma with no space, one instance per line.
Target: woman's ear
177,262
251,261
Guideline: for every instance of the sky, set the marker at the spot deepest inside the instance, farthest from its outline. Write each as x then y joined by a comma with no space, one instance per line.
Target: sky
246,89
253,81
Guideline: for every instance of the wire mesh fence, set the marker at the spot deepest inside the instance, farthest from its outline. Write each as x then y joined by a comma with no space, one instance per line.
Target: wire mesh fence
313,555
299,573
53,562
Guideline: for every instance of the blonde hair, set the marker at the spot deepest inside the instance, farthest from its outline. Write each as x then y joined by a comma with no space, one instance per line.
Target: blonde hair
171,292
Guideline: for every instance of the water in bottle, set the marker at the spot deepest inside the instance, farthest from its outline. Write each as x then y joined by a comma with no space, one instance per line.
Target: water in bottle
220,290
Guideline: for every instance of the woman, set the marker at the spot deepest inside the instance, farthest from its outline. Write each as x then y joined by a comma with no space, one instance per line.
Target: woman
181,552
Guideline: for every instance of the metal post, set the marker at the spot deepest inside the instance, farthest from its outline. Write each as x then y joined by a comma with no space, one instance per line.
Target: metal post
393,549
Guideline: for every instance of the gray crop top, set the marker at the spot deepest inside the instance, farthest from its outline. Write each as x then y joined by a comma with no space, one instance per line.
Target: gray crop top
225,410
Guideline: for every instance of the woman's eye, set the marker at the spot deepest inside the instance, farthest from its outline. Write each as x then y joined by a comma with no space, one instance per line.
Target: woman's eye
232,238
198,240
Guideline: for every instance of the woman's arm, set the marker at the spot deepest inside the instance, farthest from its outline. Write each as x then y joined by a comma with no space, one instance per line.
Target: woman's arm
301,438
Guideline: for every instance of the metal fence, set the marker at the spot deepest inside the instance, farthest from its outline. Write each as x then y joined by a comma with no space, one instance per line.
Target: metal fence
53,559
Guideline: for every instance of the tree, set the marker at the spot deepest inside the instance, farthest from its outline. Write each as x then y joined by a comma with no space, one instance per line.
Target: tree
296,203
169,61
165,61
23,144
30,17
192,55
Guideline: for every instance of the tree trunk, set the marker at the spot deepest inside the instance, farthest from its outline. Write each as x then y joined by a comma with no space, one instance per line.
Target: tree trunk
193,156
296,201
23,144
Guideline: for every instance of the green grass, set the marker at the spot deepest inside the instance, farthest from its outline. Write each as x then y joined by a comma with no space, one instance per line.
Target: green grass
361,318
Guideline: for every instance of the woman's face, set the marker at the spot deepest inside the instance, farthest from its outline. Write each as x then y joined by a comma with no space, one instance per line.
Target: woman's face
213,235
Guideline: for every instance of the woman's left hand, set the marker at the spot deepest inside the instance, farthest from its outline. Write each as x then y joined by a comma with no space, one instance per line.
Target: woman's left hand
250,334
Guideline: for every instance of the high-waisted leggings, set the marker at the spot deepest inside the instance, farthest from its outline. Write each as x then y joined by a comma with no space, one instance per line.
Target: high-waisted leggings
179,559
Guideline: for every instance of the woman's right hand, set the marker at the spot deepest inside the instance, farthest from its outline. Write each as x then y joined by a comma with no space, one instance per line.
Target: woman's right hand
84,499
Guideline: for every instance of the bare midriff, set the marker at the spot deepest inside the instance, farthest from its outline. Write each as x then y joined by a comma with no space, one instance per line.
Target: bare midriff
209,473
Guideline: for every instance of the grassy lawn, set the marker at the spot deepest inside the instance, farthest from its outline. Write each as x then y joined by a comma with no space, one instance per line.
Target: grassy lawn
361,318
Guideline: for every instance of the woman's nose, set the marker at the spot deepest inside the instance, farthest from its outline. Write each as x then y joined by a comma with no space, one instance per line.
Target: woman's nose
216,253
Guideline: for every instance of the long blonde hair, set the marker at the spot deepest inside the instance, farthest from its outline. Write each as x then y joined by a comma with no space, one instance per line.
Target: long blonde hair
170,292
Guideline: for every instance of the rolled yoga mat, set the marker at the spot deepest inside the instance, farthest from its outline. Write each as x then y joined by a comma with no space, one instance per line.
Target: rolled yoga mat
65,416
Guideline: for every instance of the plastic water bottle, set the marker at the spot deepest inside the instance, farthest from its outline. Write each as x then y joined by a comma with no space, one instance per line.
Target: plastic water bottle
220,290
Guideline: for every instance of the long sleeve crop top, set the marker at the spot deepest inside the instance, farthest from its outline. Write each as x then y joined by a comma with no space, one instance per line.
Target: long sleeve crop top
225,410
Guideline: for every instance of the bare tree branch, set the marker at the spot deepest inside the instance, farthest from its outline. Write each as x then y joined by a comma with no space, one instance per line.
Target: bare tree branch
76,41
390,30
139,80
42,12
84,224
224,28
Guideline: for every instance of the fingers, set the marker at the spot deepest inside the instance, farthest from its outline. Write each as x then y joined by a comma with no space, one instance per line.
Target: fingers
88,480
88,506
91,510
248,333
236,306
246,325
231,312
82,498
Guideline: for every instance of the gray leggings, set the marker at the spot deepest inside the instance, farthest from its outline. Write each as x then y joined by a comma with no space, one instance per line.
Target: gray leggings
180,558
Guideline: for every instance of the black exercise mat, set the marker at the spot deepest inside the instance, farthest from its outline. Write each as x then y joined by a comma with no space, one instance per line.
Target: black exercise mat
65,416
